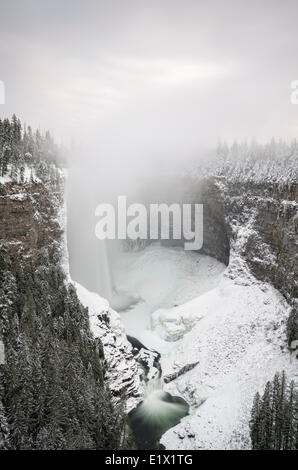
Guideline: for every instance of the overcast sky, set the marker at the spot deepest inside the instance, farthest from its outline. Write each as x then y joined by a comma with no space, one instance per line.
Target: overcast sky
154,75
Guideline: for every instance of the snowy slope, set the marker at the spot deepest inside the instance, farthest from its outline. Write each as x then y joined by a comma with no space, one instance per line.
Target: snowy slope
225,319
193,309
239,342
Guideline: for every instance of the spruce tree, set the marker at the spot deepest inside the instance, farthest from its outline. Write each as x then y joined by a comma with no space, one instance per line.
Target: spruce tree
274,423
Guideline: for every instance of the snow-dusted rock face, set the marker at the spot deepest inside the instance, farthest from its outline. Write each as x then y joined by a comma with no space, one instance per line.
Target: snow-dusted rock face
122,371
262,222
253,219
30,218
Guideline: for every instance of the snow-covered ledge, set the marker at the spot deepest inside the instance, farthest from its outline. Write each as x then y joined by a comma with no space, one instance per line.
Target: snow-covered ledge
123,374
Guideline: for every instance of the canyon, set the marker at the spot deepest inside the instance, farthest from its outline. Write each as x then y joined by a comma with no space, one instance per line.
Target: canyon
250,228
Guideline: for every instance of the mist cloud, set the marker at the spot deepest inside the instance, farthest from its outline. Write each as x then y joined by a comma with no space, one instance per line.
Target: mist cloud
151,78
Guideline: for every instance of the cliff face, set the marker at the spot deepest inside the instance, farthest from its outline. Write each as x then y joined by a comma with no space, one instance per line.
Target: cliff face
215,226
262,225
29,215
187,190
253,219
255,222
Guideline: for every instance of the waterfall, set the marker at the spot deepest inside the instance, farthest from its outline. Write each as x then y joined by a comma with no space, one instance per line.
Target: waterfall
90,263
158,412
105,274
152,386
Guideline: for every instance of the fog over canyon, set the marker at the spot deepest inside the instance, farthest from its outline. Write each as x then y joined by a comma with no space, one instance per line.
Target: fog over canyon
172,127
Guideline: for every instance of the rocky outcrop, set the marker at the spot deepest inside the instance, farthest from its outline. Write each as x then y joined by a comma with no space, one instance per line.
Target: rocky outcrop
148,359
121,369
122,372
29,215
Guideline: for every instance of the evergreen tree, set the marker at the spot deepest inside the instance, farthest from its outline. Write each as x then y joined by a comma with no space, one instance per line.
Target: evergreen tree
274,423
292,326
20,148
4,428
54,393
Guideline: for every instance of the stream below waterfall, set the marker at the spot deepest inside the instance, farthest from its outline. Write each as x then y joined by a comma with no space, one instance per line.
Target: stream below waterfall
159,410
159,278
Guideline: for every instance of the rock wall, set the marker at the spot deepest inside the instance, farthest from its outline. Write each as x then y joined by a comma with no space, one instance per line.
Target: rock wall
262,226
186,190
255,222
216,232
29,215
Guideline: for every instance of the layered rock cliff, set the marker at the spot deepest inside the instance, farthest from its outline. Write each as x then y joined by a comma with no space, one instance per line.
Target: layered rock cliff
29,216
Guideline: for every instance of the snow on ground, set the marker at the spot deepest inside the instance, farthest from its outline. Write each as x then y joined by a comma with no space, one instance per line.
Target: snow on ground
96,305
194,309
5,179
162,276
240,343
222,317
29,173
